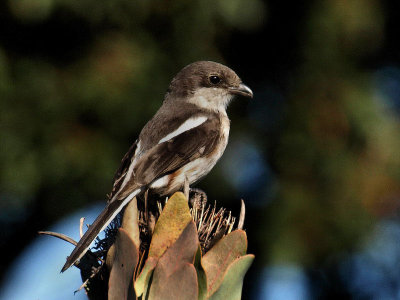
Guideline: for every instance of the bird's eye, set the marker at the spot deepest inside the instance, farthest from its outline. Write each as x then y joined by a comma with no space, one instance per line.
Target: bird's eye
214,79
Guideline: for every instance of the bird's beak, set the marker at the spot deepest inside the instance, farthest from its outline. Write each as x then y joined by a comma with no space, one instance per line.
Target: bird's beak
242,90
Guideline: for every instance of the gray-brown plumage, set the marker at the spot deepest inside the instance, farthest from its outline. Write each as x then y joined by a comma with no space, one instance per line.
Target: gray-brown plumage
183,140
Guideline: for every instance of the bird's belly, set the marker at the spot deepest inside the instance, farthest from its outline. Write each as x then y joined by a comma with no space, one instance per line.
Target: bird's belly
193,171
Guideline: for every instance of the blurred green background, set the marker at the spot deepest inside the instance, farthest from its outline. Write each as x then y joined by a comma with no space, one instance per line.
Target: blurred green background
315,154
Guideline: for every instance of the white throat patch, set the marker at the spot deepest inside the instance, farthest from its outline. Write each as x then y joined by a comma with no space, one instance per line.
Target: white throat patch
214,99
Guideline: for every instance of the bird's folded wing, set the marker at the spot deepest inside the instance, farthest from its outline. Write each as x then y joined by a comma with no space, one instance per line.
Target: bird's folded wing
168,156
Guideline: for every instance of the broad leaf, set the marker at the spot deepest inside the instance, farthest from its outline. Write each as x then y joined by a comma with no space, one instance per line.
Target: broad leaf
175,276
142,281
172,221
126,257
231,286
130,221
201,275
216,261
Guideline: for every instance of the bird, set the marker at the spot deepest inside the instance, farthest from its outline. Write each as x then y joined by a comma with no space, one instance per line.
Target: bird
182,142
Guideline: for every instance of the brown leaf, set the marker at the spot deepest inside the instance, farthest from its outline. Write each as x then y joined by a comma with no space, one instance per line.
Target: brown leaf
216,260
172,221
126,257
130,221
175,276
110,257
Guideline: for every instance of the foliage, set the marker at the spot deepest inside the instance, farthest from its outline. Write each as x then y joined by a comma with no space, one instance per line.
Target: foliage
175,267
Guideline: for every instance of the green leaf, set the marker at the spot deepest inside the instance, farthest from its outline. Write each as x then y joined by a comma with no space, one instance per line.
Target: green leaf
175,276
126,257
142,281
201,275
231,286
172,221
216,260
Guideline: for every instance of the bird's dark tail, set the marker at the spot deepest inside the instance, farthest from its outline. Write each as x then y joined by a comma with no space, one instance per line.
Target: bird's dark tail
101,222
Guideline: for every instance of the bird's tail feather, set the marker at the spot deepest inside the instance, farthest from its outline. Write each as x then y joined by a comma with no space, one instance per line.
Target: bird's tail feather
101,222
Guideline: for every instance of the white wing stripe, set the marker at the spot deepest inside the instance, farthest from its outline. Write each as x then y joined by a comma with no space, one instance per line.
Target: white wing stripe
187,125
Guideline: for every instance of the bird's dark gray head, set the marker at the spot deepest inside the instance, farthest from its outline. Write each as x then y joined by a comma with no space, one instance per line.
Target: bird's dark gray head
207,84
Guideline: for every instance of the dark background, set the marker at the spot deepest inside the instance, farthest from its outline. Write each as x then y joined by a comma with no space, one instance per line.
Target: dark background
315,154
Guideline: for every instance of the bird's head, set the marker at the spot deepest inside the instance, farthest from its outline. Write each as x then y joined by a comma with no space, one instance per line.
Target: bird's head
207,84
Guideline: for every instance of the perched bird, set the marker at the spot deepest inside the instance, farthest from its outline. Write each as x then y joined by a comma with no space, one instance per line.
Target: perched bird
183,141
